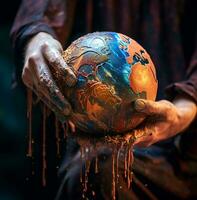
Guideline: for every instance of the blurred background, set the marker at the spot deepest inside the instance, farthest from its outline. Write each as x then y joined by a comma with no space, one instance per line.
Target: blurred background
13,120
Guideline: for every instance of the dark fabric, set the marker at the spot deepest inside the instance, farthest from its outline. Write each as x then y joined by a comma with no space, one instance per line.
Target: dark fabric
166,29
156,175
162,27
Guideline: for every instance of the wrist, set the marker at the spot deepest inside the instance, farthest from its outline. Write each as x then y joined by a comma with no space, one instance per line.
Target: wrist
186,109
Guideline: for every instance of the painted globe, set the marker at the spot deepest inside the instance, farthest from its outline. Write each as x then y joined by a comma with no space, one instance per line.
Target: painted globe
113,71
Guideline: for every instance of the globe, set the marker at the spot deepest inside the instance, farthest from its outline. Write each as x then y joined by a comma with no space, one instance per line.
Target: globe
113,71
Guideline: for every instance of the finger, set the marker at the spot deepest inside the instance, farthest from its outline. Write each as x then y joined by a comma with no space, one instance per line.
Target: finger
151,107
144,134
139,133
144,138
26,77
151,133
57,112
45,85
72,126
56,61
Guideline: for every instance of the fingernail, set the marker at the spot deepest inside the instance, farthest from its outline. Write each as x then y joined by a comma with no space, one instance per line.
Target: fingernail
139,105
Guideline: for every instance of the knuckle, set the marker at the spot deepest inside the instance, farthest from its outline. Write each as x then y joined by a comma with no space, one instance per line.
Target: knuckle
34,57
164,101
156,109
54,59
45,45
59,46
167,104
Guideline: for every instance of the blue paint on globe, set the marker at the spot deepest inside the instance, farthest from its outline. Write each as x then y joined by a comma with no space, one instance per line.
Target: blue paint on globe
105,64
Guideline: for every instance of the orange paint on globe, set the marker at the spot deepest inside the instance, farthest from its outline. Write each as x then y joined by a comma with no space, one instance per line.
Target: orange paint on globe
142,79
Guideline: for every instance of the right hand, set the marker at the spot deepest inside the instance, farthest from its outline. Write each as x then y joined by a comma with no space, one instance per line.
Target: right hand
43,55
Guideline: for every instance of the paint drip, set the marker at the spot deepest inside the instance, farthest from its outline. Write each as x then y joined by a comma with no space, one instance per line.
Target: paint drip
57,136
29,117
89,151
44,148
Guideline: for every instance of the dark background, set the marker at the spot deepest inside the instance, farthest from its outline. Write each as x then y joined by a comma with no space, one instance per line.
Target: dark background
13,121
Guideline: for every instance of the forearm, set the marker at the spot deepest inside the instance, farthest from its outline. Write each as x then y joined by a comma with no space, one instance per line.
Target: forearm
30,19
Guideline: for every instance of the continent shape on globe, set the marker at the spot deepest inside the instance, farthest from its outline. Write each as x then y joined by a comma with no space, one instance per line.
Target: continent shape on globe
113,71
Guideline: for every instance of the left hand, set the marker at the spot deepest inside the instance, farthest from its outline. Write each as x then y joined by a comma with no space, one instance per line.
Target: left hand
164,119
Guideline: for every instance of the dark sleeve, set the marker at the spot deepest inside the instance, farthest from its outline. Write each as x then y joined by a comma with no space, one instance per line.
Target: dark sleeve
189,41
34,16
188,86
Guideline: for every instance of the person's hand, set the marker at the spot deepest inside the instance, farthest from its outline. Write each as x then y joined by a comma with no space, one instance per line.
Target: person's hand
164,120
42,56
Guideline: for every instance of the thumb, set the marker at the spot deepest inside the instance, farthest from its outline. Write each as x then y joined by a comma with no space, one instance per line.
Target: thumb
149,107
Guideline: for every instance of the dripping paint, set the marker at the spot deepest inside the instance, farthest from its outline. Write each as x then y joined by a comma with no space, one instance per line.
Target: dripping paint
44,148
29,116
57,136
106,65
89,151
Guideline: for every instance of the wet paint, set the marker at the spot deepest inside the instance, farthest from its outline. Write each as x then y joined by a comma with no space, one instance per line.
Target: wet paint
57,136
106,65
29,116
96,165
113,178
113,71
65,129
44,147
89,151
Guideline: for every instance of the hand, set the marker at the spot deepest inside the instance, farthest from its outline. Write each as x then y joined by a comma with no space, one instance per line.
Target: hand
42,56
164,119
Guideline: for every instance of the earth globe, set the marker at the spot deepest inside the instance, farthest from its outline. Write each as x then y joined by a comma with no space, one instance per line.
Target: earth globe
113,71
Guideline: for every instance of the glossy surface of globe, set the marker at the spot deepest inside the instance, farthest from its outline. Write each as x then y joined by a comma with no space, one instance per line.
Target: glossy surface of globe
113,71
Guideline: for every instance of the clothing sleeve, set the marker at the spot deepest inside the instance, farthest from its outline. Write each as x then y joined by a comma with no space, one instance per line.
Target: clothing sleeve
188,86
34,16
189,41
